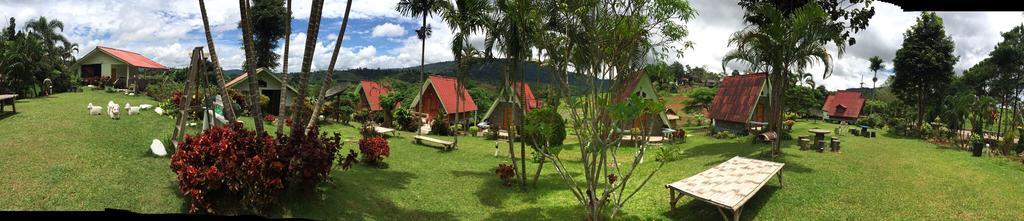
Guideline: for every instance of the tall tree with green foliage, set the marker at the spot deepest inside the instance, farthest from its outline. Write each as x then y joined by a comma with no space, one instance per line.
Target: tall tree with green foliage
876,64
783,46
1008,62
269,21
848,16
245,10
924,64
285,75
465,17
699,99
424,9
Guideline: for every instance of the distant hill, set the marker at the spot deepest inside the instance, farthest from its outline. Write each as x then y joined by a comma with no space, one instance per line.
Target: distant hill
488,73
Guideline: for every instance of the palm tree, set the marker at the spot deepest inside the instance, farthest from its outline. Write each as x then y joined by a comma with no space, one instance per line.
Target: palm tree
785,45
229,110
329,78
466,17
421,8
250,66
284,72
312,31
876,64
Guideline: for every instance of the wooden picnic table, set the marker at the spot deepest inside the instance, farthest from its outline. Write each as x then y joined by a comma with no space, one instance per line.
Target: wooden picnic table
9,98
819,135
728,185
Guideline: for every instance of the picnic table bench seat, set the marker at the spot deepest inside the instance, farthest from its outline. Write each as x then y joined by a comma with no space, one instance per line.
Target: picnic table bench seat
8,98
447,144
385,130
728,185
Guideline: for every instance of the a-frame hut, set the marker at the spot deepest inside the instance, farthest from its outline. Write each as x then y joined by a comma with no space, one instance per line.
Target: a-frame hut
369,96
505,111
740,103
844,106
640,85
270,86
438,99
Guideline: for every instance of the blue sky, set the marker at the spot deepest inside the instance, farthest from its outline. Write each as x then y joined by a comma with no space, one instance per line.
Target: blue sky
379,37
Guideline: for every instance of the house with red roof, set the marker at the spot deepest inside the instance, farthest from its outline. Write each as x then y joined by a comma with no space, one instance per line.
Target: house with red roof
740,103
505,111
844,106
438,100
270,86
122,66
369,96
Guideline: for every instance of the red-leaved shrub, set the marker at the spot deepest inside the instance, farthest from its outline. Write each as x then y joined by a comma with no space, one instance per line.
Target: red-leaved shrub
374,149
269,118
506,173
225,164
228,163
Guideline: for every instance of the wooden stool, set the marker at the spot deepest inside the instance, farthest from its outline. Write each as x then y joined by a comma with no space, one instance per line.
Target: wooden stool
834,145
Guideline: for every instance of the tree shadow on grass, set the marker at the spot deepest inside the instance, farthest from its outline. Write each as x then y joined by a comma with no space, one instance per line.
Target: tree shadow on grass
357,194
571,212
493,192
7,113
699,210
725,151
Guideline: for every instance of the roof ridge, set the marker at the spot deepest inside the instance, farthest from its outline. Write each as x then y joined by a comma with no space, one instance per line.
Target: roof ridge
117,49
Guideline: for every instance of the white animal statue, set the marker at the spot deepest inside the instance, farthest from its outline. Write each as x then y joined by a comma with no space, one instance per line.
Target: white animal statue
159,111
127,105
158,148
133,110
146,106
95,110
89,107
113,110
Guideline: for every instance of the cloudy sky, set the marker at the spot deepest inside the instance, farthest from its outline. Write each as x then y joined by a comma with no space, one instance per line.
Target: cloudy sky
379,37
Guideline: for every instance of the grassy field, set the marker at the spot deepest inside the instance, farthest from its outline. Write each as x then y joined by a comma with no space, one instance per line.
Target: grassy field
56,157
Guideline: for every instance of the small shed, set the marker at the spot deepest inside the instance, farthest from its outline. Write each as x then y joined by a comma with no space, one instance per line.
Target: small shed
270,86
369,96
120,66
741,102
639,84
505,111
438,98
844,106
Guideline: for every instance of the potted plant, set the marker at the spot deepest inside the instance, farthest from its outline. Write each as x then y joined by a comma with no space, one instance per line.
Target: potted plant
977,144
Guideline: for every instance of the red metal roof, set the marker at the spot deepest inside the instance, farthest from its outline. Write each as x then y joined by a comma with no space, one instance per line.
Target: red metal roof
737,97
853,102
373,91
626,89
132,58
445,88
531,101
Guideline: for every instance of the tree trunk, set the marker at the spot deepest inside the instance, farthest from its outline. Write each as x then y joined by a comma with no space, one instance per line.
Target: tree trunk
250,67
307,61
775,112
329,79
423,54
284,74
920,111
229,107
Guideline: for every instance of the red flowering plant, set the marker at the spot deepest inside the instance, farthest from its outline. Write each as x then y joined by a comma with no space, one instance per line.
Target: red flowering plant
228,163
310,156
506,173
374,149
269,119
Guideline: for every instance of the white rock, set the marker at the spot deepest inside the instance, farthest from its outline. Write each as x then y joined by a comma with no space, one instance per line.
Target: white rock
159,111
158,148
146,106
133,110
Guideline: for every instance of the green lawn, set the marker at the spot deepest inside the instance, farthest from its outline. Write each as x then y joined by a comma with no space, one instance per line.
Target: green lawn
57,157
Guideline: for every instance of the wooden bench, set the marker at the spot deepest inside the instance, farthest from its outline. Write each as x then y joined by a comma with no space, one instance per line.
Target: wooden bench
728,185
385,130
448,145
8,98
766,137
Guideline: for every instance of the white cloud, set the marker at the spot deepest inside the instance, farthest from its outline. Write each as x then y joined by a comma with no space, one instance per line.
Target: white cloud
388,30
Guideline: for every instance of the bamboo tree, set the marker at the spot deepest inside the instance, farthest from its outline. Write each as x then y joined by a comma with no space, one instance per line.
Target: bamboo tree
250,67
284,74
329,79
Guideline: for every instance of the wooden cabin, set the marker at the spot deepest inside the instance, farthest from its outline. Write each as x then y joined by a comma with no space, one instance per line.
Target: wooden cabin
505,110
438,99
741,103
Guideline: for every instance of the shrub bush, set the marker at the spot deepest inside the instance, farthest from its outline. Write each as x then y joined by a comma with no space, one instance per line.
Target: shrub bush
550,120
405,120
440,127
473,130
360,116
269,119
725,135
505,173
226,163
374,149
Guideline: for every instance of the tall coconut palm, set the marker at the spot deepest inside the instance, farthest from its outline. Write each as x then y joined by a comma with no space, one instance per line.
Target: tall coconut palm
329,78
421,8
876,64
284,72
229,110
465,17
250,66
316,12
785,45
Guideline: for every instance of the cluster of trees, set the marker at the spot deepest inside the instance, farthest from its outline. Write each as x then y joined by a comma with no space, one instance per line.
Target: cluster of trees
666,77
37,52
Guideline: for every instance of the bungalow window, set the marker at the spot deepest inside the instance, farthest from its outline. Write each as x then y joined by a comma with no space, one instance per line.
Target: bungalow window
262,83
